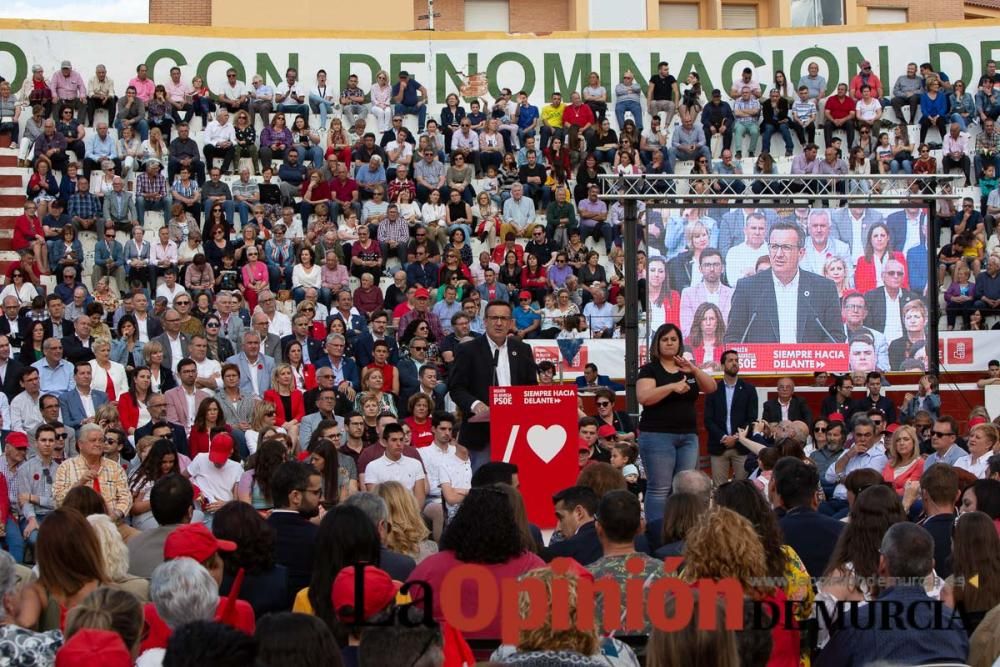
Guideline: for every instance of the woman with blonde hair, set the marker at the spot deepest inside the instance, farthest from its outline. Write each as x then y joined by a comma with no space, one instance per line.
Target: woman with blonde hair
408,534
725,546
260,423
161,378
110,609
108,376
541,643
286,399
116,557
381,97
835,269
372,385
905,462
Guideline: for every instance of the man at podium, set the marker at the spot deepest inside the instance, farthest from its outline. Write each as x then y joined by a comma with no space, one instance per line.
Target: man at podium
494,360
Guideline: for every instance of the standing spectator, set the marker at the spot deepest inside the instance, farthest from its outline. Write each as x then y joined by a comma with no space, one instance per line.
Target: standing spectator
732,406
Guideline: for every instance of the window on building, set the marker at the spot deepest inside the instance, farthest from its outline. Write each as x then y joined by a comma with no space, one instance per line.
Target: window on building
487,15
812,13
883,15
739,17
679,16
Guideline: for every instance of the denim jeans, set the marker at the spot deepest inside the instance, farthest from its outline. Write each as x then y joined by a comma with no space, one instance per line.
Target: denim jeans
323,107
629,105
665,455
15,540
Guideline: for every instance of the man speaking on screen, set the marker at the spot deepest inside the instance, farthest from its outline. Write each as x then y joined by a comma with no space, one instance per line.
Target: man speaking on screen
785,304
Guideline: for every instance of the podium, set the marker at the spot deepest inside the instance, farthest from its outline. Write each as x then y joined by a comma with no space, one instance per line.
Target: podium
535,428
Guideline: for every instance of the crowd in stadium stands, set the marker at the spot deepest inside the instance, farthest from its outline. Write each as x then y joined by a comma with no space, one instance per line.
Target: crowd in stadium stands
212,436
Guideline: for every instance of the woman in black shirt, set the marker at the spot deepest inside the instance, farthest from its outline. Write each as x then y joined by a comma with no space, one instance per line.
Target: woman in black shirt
667,388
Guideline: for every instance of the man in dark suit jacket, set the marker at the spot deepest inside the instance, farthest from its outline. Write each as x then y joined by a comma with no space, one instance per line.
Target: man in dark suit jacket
296,488
851,225
732,406
491,360
591,380
811,534
56,326
900,221
159,426
366,341
874,400
310,346
13,322
575,509
10,375
876,300
939,492
71,402
77,346
756,314
798,410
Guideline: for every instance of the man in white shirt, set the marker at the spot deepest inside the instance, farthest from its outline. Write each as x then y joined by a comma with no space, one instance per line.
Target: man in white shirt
820,247
169,289
234,94
79,405
741,259
215,473
291,95
173,341
434,457
25,414
209,370
220,141
140,311
278,322
393,466
163,254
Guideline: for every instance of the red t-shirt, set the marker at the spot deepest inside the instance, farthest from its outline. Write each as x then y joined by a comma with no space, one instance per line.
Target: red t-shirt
840,109
579,116
343,191
421,435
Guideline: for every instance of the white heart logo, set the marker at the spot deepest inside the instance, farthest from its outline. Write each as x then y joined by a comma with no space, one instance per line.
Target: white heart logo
546,442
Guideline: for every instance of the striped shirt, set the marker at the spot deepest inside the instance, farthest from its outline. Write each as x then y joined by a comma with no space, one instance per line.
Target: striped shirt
752,106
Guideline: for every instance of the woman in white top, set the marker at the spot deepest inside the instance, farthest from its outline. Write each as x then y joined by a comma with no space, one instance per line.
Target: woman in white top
348,232
188,249
131,150
108,376
261,423
155,148
433,211
19,288
552,318
101,184
381,96
982,439
305,274
408,210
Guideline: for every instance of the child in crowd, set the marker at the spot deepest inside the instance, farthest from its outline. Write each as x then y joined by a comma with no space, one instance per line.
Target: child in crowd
987,184
624,456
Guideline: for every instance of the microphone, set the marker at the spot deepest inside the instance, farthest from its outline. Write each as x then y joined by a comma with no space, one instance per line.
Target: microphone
819,322
746,331
496,363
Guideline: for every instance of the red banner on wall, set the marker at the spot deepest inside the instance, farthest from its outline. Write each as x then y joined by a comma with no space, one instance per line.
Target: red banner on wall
535,429
798,358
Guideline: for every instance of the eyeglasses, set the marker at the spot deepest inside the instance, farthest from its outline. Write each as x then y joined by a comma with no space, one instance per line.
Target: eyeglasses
61,436
939,434
819,429
898,274
211,325
603,404
783,247
420,348
181,303
308,310
111,441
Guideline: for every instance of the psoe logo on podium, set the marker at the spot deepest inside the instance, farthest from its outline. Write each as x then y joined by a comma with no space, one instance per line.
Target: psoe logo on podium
534,427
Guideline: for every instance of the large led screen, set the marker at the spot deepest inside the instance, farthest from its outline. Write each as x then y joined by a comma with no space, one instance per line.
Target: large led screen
793,290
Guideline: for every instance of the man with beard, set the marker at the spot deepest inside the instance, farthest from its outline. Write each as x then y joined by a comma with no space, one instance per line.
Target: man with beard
296,489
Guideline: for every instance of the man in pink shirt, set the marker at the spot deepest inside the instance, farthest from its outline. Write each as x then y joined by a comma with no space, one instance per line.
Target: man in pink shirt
179,94
68,89
143,85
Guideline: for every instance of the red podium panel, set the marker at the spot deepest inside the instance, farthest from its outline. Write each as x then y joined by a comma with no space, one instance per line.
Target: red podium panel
535,428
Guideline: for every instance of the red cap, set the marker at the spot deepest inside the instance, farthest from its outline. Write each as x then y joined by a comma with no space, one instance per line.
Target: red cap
379,592
975,421
584,445
94,647
17,439
607,431
891,428
525,294
835,417
195,541
220,449
421,293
